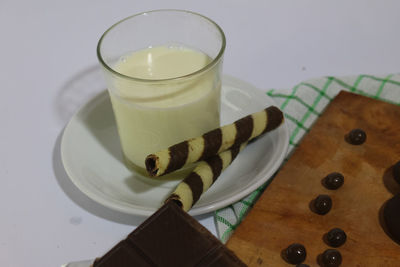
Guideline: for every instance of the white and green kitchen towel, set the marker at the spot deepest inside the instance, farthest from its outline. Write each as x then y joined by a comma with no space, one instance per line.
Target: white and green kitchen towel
302,105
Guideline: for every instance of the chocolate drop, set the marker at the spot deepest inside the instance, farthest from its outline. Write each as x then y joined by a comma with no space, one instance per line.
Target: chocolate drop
331,258
322,204
295,253
356,137
333,180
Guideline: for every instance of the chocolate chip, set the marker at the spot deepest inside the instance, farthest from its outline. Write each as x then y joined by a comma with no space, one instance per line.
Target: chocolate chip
322,204
356,137
331,258
333,180
336,237
295,253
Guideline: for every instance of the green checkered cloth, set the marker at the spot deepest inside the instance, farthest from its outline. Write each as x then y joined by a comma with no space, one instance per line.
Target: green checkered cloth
302,105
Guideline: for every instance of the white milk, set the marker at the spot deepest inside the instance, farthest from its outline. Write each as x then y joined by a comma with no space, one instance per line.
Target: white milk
152,115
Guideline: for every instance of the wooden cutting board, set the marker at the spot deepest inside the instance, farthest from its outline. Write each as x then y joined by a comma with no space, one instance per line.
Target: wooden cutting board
282,215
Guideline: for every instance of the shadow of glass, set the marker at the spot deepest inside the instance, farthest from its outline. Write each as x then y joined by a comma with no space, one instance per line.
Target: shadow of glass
142,183
81,199
139,184
77,91
88,88
100,121
90,205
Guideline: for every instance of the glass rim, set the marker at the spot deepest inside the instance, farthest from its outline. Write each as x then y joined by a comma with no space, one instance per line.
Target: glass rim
203,69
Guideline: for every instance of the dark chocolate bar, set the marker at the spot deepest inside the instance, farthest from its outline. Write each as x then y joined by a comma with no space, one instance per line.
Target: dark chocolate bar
170,237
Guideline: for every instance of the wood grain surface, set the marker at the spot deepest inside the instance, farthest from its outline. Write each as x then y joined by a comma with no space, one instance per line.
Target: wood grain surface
282,215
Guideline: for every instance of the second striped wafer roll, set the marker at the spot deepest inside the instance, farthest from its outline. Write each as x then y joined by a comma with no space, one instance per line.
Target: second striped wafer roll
213,142
202,177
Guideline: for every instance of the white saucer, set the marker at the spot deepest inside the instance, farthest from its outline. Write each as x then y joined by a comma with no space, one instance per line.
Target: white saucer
90,152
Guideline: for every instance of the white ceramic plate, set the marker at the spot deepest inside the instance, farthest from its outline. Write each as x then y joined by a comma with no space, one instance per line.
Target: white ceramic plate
91,156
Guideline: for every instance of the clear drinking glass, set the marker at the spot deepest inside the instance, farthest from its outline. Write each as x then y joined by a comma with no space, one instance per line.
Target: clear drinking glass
153,113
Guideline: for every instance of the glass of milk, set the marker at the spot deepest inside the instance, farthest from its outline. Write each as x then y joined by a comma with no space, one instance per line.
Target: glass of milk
163,72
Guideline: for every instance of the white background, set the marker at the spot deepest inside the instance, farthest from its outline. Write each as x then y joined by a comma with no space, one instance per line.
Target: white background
48,68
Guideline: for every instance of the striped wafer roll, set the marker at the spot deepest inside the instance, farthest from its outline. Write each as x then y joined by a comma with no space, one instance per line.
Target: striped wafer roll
213,142
202,177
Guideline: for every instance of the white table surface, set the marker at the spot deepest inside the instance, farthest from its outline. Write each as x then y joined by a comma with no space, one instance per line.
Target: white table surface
48,68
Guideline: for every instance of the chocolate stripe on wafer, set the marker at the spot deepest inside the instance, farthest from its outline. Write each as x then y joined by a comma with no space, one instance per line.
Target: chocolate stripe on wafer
244,128
195,184
214,142
188,192
275,118
178,154
216,165
234,152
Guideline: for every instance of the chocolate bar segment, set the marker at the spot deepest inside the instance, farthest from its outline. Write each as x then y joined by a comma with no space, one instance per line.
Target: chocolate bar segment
188,192
170,237
213,142
123,255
